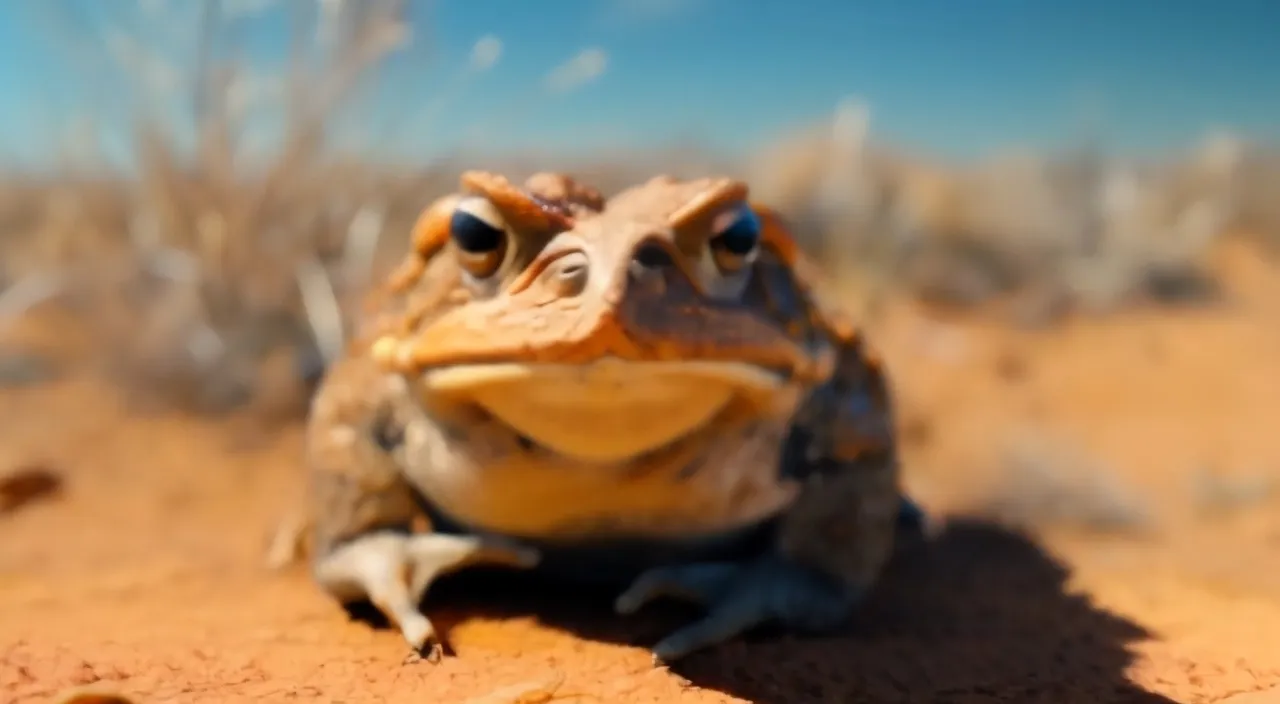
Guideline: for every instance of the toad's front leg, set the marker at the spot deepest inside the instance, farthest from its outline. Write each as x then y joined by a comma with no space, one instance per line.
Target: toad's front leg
362,507
393,571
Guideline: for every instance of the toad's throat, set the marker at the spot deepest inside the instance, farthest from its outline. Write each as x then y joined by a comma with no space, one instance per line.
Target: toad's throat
607,411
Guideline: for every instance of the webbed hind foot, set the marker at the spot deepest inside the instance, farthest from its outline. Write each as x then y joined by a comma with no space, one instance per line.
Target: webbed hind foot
740,597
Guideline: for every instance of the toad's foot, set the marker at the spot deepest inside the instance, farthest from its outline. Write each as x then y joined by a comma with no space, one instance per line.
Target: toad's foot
394,570
915,526
739,597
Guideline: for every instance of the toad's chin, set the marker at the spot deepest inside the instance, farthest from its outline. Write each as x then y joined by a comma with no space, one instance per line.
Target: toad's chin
607,411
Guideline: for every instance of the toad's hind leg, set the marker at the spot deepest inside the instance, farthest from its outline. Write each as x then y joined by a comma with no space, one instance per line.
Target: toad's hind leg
828,553
740,596
830,546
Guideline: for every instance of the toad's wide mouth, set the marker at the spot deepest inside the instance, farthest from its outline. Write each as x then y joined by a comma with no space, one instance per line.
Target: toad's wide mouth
611,409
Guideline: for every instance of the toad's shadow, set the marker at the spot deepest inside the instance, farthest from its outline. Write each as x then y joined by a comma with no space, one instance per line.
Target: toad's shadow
980,614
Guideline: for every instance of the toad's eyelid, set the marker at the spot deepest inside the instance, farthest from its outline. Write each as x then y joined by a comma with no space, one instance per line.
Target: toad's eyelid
483,209
729,217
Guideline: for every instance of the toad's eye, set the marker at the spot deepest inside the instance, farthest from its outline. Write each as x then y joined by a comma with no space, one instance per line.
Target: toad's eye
735,239
480,233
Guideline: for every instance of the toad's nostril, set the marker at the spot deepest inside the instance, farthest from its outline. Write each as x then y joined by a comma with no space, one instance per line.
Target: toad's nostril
569,274
573,270
652,256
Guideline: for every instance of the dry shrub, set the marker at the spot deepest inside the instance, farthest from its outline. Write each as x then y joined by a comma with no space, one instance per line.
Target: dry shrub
1257,195
208,255
840,194
1049,233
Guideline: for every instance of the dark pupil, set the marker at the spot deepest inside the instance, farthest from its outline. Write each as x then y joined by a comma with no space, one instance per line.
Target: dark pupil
474,235
740,237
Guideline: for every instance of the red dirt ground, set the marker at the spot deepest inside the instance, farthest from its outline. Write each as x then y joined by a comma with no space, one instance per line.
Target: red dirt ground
144,575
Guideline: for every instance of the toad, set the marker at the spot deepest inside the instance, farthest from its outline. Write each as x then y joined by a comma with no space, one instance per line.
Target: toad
647,389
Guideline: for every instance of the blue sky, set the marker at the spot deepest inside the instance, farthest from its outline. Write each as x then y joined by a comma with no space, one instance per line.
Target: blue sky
959,77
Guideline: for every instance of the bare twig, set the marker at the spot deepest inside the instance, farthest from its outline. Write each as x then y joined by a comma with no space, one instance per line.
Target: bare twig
362,245
321,306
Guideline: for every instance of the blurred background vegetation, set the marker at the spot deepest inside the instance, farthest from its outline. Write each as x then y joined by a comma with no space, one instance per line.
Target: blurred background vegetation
194,195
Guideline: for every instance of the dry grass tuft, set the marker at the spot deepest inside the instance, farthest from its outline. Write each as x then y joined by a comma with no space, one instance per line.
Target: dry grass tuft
1044,484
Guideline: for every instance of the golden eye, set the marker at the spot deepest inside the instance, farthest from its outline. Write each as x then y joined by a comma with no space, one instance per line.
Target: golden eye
735,239
480,235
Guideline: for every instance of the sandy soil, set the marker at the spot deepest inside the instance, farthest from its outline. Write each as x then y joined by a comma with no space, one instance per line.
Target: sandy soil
1154,576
